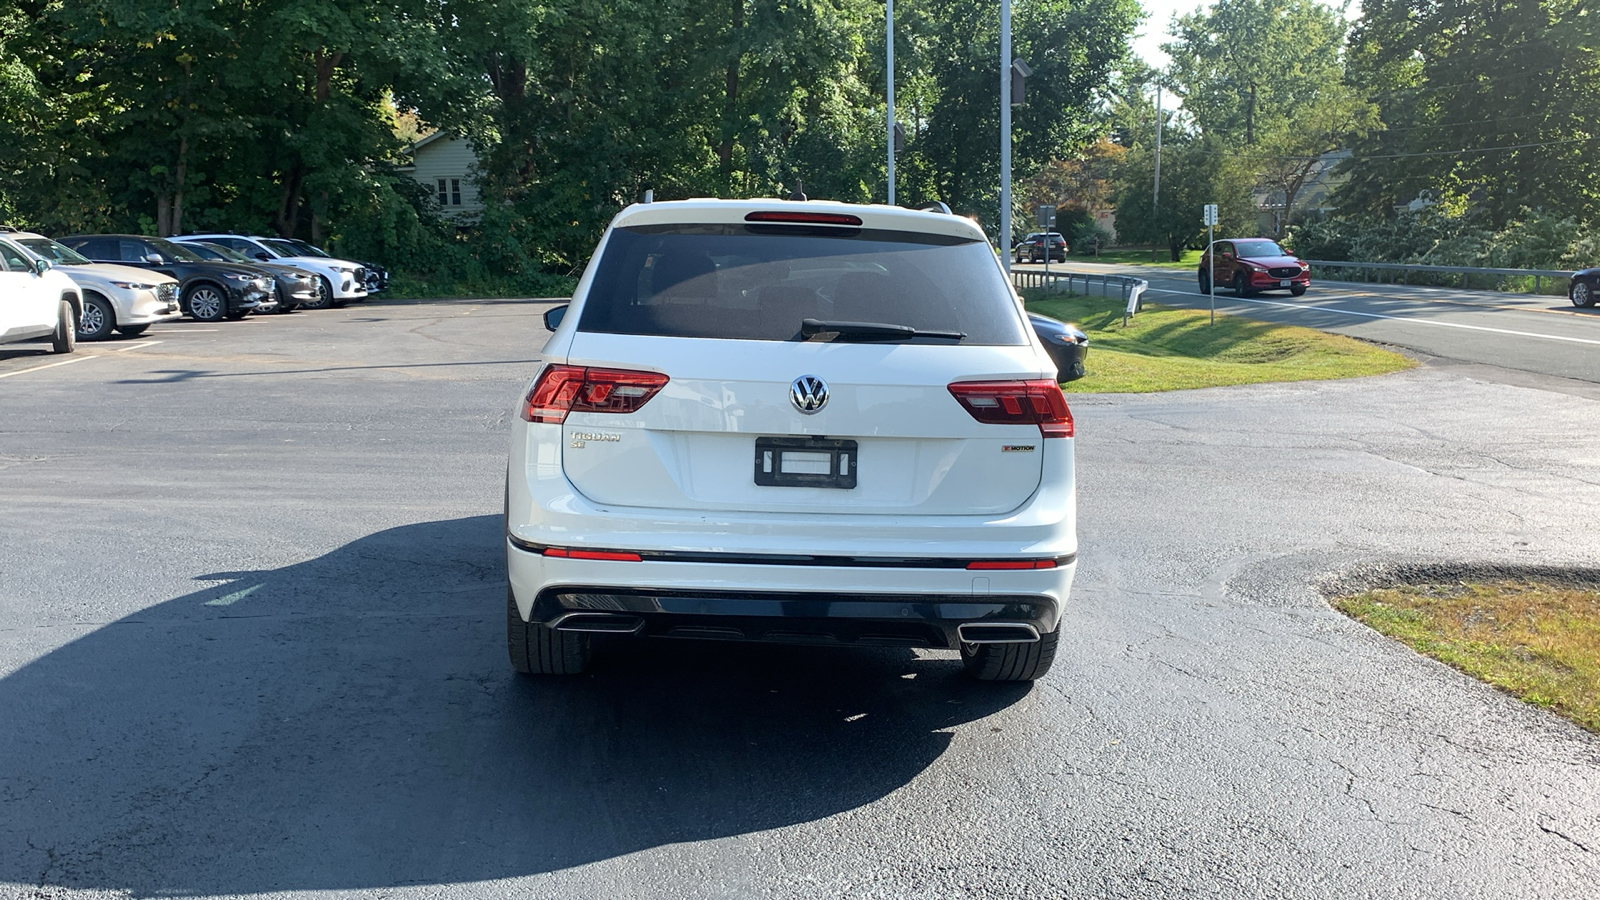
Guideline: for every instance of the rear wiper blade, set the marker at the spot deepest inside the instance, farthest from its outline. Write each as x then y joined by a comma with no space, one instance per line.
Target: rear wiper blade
871,331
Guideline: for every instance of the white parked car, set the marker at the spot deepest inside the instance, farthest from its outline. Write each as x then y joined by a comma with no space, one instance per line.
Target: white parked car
792,421
36,301
115,298
339,281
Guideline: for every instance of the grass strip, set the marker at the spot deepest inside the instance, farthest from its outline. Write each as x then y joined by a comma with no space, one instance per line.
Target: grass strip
1538,641
1164,349
1189,260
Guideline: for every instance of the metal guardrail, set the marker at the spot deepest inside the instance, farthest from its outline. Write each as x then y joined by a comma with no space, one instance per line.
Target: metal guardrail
1129,288
1370,271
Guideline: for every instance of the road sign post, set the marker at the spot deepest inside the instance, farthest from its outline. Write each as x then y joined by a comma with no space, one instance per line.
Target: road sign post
1211,257
1047,221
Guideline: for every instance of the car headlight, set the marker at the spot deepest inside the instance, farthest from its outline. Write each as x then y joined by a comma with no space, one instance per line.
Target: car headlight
242,279
133,286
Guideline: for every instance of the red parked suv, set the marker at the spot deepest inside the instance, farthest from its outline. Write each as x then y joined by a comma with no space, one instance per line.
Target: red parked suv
1249,265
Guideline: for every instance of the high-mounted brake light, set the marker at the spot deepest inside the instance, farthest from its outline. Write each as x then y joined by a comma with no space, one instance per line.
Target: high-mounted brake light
804,218
565,389
1017,403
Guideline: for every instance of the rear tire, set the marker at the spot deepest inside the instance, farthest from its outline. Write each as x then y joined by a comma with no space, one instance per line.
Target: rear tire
1582,294
98,319
65,339
1011,662
537,650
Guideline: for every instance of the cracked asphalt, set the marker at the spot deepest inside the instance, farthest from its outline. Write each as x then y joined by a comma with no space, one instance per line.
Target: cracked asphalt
251,643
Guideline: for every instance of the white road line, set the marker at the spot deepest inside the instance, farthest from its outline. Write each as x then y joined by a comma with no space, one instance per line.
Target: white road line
139,346
1366,315
64,362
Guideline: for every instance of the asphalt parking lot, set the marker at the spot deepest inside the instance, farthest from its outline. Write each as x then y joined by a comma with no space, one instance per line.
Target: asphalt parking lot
251,642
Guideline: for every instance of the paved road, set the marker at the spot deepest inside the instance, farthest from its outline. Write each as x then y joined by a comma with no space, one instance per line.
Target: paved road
251,643
1540,334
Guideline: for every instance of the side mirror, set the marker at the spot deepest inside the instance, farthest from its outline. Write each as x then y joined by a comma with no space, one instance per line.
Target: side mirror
554,315
154,259
42,266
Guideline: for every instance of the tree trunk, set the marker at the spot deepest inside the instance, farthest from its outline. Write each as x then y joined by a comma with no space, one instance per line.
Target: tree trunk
730,105
177,194
287,220
163,214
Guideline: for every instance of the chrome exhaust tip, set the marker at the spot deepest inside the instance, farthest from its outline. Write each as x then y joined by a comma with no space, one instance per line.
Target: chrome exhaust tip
997,633
598,622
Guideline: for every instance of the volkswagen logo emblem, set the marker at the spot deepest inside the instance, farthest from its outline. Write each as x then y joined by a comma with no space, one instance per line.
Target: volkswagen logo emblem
809,394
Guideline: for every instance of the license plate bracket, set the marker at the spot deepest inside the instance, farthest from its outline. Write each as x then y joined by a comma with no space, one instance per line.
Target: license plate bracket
806,462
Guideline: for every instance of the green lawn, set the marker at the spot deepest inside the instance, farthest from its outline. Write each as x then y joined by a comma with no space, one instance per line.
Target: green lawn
1166,349
1538,641
1190,260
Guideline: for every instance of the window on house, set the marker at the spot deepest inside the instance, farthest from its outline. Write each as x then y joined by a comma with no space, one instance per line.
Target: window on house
449,191
455,192
444,193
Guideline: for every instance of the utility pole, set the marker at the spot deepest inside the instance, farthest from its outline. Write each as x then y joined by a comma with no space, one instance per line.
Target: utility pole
1250,117
889,17
1005,135
1155,208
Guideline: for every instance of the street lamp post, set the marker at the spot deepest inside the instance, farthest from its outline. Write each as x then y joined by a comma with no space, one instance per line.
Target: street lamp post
889,66
1005,134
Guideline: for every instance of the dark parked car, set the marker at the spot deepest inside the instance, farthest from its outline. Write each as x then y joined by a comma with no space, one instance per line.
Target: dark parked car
1041,246
1584,287
294,287
1248,265
1066,344
208,291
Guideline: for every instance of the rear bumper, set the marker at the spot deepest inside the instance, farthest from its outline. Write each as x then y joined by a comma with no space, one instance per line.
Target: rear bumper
800,604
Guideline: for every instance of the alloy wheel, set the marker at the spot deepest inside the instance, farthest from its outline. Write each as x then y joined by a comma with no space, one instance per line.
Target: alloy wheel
1582,295
206,304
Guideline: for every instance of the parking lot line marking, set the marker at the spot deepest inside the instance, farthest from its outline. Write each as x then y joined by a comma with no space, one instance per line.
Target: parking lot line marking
235,597
64,362
139,346
1366,315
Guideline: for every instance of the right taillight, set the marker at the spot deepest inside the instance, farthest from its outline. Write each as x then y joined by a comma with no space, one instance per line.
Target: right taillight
1017,403
565,389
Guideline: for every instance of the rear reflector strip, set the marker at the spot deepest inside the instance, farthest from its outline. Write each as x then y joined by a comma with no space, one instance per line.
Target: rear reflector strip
609,555
781,559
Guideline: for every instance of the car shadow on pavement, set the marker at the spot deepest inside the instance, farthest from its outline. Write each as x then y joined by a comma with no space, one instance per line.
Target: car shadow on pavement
351,721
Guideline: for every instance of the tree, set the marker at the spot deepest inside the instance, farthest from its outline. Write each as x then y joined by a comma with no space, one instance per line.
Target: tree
1267,77
1194,172
1494,105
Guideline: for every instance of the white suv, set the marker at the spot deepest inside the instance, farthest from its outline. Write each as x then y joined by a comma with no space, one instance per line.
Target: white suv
36,300
792,421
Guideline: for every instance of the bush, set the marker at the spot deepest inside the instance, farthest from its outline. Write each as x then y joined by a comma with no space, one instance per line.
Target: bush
1427,237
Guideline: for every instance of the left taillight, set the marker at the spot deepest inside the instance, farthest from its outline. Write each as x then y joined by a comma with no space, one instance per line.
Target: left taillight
566,389
1038,403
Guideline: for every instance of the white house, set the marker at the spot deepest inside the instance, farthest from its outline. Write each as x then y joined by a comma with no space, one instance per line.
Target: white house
448,168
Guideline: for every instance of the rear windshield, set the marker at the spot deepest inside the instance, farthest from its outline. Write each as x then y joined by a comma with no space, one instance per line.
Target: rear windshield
758,282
